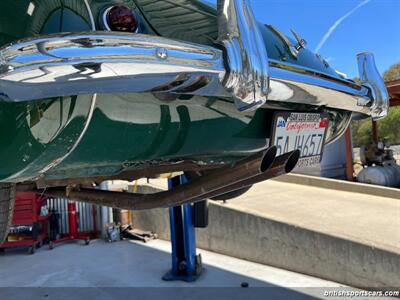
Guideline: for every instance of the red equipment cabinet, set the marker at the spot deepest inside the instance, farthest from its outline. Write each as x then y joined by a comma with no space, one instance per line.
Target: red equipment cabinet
27,213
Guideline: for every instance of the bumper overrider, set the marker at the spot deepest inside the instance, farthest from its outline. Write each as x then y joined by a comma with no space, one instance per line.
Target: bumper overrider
110,62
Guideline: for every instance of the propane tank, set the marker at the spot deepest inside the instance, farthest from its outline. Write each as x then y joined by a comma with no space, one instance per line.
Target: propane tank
379,164
386,175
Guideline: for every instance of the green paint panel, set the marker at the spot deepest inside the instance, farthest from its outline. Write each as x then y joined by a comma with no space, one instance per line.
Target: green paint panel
128,129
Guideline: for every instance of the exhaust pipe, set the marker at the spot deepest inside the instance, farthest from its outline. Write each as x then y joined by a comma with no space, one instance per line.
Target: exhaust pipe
247,168
283,164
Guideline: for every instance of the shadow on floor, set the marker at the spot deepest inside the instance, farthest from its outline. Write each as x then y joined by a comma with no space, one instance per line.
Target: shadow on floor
126,270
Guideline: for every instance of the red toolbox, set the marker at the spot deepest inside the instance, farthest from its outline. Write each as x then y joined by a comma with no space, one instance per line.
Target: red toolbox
29,228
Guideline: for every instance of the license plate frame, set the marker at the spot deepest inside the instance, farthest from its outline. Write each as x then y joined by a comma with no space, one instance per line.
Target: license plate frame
305,131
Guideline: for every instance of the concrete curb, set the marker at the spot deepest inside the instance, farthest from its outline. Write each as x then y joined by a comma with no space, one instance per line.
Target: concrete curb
341,185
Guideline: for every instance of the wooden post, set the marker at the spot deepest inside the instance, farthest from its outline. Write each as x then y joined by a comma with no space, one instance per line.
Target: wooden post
349,155
375,131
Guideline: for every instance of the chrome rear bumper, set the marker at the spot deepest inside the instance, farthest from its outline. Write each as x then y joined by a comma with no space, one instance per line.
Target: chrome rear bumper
109,62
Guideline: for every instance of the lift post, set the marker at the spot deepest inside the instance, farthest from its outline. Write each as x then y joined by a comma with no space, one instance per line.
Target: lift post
186,265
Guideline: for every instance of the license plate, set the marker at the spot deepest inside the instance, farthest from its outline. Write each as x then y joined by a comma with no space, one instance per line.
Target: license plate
303,131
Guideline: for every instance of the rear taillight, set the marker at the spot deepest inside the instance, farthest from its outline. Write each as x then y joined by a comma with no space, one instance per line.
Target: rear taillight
120,18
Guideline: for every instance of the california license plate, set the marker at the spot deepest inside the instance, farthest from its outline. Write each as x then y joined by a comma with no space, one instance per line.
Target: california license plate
303,131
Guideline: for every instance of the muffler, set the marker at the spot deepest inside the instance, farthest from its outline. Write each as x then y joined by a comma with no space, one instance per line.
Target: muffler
192,191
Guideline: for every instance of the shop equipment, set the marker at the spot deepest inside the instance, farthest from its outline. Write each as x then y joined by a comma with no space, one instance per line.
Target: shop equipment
29,222
73,224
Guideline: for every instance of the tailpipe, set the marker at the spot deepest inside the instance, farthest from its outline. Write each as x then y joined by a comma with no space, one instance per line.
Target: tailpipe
283,164
192,191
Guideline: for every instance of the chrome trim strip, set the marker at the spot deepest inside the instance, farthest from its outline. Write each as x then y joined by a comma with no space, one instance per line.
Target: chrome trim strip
318,74
104,18
90,15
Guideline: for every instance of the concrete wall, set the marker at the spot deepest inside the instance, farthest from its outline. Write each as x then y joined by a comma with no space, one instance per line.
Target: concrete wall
255,238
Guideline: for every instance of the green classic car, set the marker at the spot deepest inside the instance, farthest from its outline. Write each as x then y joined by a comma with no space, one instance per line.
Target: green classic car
93,90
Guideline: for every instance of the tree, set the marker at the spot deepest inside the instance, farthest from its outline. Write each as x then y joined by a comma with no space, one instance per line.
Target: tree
362,132
388,129
389,126
392,73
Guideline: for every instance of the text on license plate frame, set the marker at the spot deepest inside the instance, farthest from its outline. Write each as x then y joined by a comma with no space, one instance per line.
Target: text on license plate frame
300,130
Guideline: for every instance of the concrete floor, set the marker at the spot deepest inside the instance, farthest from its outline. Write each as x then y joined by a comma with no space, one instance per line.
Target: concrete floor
104,266
133,264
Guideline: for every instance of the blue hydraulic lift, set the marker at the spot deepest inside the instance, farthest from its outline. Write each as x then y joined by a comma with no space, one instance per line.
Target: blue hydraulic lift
186,264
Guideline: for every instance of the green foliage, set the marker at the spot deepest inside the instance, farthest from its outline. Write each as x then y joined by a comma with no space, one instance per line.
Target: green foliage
388,129
392,73
361,131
